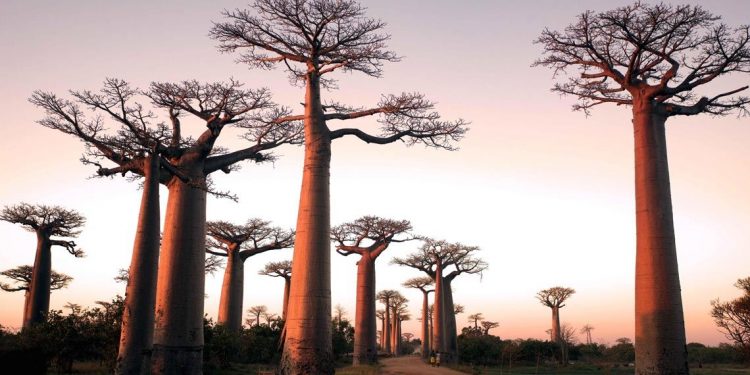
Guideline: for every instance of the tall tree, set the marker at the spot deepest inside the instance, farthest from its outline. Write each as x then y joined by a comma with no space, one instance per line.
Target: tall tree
257,311
136,148
238,243
384,297
283,270
398,308
178,330
475,318
313,39
555,298
488,325
443,262
586,330
368,237
380,314
45,222
422,284
21,276
652,58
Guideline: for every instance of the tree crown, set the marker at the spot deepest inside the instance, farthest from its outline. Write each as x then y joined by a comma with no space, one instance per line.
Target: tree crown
277,269
370,235
21,275
658,53
254,237
554,297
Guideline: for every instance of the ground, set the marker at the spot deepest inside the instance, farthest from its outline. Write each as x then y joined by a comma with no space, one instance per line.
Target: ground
412,365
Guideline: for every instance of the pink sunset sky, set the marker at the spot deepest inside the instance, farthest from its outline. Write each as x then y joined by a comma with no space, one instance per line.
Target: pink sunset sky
547,193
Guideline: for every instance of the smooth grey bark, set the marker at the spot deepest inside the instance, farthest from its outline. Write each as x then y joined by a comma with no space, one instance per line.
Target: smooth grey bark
136,337
232,289
438,314
365,328
451,335
178,331
307,347
660,345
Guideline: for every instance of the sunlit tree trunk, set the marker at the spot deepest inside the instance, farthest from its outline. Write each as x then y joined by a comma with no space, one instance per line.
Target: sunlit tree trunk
387,329
230,302
136,334
394,332
39,290
178,332
451,336
556,324
659,323
307,349
287,281
365,341
438,323
425,327
382,333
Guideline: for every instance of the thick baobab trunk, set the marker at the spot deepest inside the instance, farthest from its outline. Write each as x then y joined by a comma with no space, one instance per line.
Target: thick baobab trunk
230,303
394,332
287,282
178,331
438,323
425,327
555,335
38,300
387,329
136,334
365,322
451,336
307,348
659,323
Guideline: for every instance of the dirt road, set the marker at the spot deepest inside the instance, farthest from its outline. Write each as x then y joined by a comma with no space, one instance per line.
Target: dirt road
412,365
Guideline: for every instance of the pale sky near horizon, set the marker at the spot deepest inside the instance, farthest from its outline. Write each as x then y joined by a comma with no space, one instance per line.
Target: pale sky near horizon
547,193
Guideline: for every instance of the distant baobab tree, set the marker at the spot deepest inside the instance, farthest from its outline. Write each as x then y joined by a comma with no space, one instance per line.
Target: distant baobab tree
488,325
256,312
380,314
313,39
423,284
238,243
21,277
368,237
407,336
434,259
586,329
475,318
652,58
283,270
398,310
555,298
384,297
458,309
268,317
53,226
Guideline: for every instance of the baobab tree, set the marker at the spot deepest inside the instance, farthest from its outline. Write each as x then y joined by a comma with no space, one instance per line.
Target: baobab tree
398,308
178,329
21,277
380,314
475,318
53,226
488,325
134,149
422,284
733,316
143,149
652,58
238,243
555,298
384,297
434,259
367,237
314,39
257,311
586,330
283,270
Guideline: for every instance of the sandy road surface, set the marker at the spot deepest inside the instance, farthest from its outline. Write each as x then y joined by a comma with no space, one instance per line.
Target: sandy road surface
412,365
